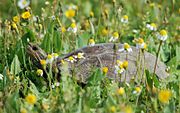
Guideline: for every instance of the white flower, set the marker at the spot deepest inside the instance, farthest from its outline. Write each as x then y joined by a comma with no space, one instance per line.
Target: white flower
114,37
119,69
79,56
71,59
55,55
1,77
49,58
23,3
152,26
140,43
126,48
162,35
124,19
56,84
72,28
39,72
91,42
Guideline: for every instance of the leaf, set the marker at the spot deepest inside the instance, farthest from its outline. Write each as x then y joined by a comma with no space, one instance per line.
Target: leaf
177,53
149,79
15,66
155,80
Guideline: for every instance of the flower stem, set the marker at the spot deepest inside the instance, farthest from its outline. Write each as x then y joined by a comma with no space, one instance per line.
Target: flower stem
157,55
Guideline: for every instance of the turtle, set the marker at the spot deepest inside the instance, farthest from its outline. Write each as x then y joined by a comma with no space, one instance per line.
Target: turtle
98,56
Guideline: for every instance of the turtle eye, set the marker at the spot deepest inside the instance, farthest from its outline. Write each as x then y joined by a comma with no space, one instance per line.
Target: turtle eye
34,48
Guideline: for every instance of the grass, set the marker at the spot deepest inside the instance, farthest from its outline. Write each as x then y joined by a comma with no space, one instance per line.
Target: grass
23,90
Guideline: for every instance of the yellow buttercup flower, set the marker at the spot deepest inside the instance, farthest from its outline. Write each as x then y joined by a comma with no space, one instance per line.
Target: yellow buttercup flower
92,14
49,56
128,109
26,15
43,62
125,64
23,110
121,91
138,89
70,13
113,109
104,32
31,99
63,29
105,69
16,19
164,96
126,46
14,26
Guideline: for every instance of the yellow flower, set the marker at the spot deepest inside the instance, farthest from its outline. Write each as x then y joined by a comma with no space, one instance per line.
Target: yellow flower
14,26
104,32
114,37
62,61
153,25
43,62
71,59
162,35
163,32
116,34
91,42
31,99
121,91
55,55
140,41
63,29
113,109
145,46
49,56
23,110
124,19
105,69
26,15
73,25
70,13
138,89
128,109
126,46
73,28
86,24
16,19
152,4
39,72
164,96
106,11
80,55
125,64
92,14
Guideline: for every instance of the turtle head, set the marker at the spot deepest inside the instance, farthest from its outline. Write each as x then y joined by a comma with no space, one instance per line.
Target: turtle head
36,53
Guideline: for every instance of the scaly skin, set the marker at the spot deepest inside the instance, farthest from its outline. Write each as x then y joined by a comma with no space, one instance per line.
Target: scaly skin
101,55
